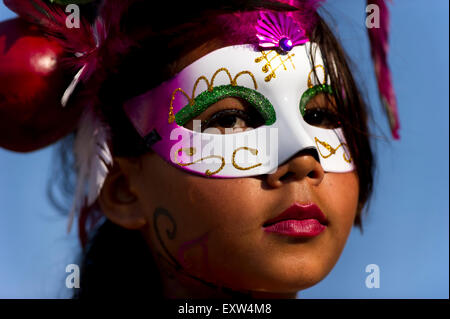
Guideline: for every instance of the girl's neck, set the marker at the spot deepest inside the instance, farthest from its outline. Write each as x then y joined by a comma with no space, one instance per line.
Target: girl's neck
180,285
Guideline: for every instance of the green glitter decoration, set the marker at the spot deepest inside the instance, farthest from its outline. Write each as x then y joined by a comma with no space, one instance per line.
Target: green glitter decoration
312,92
207,98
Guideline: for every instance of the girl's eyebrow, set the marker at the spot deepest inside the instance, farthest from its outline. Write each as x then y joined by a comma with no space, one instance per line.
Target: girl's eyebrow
208,98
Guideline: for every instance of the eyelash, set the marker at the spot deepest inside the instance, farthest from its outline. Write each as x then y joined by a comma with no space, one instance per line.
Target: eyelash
250,118
331,118
217,116
316,116
207,98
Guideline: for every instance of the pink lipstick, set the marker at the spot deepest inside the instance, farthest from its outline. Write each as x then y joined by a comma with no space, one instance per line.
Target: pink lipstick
299,220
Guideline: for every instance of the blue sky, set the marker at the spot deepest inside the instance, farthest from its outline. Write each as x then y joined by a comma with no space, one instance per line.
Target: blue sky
406,228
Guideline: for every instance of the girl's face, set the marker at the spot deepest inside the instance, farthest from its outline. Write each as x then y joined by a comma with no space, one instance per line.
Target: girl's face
217,224
214,229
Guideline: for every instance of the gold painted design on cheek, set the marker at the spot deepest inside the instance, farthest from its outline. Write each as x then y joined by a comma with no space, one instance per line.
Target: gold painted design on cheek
332,150
310,84
210,85
251,150
270,63
190,151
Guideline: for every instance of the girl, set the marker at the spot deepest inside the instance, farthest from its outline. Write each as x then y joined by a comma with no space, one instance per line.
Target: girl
221,148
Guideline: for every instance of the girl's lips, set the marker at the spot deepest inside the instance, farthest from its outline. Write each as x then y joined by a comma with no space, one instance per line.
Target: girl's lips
299,220
297,228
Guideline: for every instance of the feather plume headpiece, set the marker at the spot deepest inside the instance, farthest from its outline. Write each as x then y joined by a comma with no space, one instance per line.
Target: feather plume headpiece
93,160
85,47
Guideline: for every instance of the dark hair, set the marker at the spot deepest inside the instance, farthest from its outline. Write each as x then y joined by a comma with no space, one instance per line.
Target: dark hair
123,255
116,264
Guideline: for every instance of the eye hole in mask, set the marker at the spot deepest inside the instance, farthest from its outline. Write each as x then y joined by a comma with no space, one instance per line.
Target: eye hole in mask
227,109
318,107
228,116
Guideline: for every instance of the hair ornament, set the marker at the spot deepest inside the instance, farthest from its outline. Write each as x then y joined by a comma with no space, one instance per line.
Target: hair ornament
93,159
276,30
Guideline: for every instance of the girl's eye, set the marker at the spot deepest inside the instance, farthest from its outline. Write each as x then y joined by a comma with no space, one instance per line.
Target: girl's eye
321,117
321,112
233,120
229,115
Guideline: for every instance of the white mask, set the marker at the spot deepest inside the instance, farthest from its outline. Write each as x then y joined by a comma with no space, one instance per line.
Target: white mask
271,82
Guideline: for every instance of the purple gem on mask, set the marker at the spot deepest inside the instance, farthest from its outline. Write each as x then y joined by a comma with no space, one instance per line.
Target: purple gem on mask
286,44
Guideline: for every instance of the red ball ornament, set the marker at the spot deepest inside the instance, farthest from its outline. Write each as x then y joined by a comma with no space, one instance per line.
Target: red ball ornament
32,82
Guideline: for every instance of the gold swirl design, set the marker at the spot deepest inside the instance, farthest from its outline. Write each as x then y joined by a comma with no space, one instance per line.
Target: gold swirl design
268,66
171,115
210,85
232,82
251,76
190,151
331,149
198,81
251,150
310,85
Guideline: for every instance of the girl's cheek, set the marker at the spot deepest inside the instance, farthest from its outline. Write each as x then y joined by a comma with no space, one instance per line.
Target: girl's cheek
343,192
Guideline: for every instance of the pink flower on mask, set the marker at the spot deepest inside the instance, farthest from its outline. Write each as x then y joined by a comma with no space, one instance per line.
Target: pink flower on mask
277,30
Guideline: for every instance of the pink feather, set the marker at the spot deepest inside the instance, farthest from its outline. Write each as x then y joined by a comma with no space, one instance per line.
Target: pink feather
306,13
379,38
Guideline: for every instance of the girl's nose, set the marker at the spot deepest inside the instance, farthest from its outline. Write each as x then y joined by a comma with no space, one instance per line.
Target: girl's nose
303,165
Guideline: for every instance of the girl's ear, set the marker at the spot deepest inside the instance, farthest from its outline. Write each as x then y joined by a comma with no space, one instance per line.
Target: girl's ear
118,200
